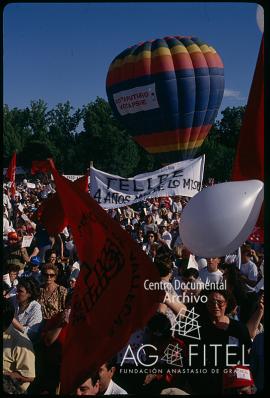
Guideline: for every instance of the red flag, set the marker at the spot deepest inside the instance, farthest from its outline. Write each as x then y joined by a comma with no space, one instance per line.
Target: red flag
41,166
11,173
257,235
51,213
110,301
249,162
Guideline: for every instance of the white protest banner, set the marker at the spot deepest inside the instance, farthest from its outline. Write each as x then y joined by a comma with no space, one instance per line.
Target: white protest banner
19,170
72,177
181,178
27,240
30,185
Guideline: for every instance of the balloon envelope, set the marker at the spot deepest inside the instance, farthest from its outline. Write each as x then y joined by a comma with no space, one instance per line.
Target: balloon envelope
220,218
260,18
167,93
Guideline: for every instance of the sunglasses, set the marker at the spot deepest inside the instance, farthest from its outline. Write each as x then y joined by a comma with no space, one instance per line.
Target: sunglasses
48,275
220,303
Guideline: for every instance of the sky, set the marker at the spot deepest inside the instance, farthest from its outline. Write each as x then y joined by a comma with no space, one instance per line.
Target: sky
62,51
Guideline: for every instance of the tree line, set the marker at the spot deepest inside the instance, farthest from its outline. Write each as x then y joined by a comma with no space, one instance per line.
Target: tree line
73,138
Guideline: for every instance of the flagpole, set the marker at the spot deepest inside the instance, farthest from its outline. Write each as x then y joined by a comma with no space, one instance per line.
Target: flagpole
91,165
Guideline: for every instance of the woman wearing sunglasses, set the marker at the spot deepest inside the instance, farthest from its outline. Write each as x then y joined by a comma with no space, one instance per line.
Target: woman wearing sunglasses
52,296
223,341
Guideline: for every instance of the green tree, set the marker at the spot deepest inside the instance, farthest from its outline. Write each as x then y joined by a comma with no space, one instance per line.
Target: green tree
37,150
16,130
37,133
230,124
62,132
61,119
220,145
104,142
38,119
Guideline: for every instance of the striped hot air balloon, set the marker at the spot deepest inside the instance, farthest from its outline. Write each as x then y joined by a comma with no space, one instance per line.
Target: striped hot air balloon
167,93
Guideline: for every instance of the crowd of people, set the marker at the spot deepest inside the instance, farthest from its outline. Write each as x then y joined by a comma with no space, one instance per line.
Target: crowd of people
226,295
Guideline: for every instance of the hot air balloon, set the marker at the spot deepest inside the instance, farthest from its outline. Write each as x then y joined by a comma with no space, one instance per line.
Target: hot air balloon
167,92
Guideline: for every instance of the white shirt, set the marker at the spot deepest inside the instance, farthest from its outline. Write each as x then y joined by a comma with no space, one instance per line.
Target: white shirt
6,226
250,270
6,201
157,219
114,389
30,318
167,237
211,277
177,207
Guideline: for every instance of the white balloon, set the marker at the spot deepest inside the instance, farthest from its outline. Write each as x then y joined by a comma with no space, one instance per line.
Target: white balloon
260,18
220,218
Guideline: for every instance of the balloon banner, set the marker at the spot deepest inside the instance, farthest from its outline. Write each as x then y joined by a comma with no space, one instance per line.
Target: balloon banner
220,218
167,92
181,178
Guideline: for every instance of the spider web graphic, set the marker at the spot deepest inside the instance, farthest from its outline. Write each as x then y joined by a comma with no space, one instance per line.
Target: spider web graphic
172,355
186,324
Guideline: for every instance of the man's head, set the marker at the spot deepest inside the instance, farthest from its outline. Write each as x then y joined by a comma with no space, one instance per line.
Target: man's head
106,372
246,256
12,237
90,386
13,271
213,263
238,380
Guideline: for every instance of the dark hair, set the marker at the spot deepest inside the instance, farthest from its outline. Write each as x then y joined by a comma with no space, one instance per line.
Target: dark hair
31,286
160,325
13,268
164,265
94,377
228,296
48,254
187,273
111,363
151,233
8,311
48,266
165,251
